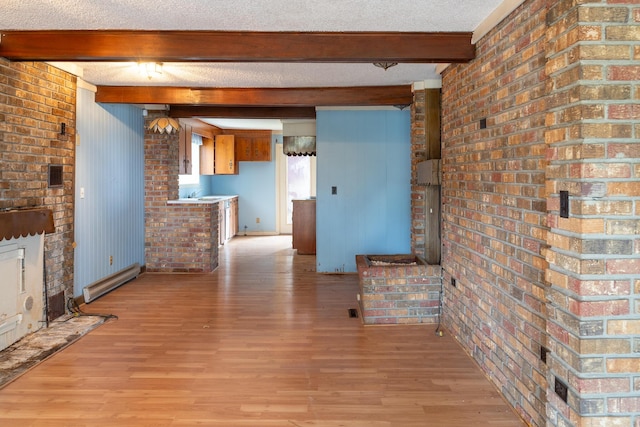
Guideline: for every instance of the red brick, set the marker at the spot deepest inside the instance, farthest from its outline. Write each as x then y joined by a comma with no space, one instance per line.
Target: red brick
625,404
624,112
599,308
601,385
624,72
623,150
623,266
30,138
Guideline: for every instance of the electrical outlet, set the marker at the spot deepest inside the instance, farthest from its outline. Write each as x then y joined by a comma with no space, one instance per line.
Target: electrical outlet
110,259
561,389
258,220
564,204
544,351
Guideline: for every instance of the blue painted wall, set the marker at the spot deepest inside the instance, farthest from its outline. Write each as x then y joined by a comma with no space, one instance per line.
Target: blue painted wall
256,187
109,220
366,155
201,189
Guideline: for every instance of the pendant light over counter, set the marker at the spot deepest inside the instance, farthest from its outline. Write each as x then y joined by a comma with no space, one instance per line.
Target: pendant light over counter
164,125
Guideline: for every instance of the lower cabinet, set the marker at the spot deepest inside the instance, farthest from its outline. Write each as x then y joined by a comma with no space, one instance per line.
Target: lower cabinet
234,227
227,220
304,226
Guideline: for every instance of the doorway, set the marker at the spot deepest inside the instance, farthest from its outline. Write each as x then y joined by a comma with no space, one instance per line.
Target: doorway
296,176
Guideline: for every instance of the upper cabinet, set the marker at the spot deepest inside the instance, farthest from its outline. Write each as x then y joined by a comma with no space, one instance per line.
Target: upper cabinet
225,155
217,155
253,146
221,150
206,156
184,149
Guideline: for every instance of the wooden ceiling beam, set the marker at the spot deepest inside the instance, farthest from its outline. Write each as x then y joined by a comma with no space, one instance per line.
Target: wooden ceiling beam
184,111
258,97
236,46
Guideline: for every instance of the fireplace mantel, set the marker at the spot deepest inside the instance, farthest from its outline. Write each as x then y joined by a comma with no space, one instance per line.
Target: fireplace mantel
25,222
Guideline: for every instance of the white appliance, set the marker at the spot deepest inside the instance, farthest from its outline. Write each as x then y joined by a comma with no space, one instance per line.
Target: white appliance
21,287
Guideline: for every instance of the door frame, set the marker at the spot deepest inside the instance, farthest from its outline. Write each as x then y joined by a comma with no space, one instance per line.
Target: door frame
281,188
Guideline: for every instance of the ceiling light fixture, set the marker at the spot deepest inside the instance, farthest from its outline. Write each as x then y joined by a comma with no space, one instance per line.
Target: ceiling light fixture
164,125
385,65
150,69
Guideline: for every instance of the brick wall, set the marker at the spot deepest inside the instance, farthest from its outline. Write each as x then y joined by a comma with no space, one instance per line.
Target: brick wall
418,146
550,104
594,257
35,98
494,207
178,238
397,293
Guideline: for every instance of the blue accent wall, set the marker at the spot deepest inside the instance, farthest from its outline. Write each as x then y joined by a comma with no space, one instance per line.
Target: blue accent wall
201,189
255,186
109,220
366,155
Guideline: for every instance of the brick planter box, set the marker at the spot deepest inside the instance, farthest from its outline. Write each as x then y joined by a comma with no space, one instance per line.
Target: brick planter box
398,289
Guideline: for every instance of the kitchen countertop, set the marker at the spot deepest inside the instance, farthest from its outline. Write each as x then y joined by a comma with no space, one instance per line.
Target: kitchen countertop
201,200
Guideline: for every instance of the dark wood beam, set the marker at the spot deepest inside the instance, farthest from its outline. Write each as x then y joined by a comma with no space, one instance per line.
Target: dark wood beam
236,46
180,111
26,222
258,97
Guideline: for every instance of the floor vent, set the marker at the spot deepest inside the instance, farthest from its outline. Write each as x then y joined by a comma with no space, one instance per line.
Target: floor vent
109,283
353,313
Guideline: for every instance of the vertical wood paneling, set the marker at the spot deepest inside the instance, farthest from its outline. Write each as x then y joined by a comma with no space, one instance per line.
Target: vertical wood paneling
109,220
366,155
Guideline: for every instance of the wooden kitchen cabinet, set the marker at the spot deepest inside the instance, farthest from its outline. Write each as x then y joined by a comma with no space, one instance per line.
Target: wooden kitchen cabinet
207,156
184,150
225,155
304,226
217,156
253,146
233,228
227,220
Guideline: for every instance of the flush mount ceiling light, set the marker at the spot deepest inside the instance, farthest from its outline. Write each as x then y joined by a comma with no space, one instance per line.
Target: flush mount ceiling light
385,65
150,69
164,125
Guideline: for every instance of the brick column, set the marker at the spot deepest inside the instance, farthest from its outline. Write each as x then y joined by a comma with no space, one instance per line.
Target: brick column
35,99
593,131
418,146
178,238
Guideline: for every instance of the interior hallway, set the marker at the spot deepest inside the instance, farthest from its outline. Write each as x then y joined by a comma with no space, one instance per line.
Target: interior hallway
262,341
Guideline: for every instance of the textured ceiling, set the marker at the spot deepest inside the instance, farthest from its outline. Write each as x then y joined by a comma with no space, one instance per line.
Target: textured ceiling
252,15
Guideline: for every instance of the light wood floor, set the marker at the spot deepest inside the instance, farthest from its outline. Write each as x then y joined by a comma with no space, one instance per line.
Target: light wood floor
261,342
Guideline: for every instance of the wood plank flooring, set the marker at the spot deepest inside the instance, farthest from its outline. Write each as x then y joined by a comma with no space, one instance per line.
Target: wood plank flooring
263,341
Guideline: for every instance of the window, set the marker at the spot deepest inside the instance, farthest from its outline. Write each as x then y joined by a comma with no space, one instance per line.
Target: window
194,178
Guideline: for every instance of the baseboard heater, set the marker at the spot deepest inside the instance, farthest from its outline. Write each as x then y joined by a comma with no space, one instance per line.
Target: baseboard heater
109,283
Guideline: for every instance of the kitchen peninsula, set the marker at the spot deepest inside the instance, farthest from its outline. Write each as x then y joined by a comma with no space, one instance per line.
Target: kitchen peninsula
194,229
